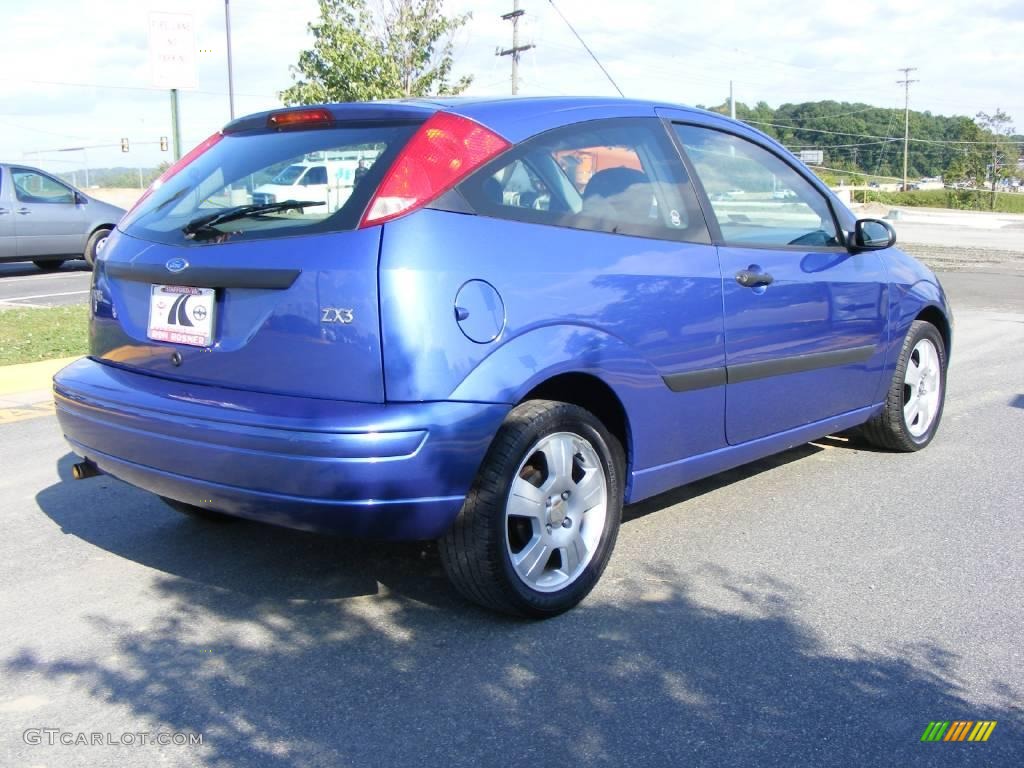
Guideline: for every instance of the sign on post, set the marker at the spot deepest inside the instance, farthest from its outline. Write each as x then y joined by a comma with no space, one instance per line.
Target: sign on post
172,50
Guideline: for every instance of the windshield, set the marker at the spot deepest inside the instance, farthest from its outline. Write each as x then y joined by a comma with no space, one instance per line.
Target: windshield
289,175
241,169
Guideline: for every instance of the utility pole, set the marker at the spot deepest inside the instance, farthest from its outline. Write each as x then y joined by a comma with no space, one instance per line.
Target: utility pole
231,78
516,48
905,82
732,102
175,126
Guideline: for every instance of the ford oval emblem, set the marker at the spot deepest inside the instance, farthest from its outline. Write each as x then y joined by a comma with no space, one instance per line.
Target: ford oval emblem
176,265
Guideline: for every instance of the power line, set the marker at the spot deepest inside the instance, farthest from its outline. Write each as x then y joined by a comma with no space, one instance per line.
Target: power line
129,87
839,114
818,130
888,129
870,136
676,74
701,40
41,130
841,146
852,173
596,61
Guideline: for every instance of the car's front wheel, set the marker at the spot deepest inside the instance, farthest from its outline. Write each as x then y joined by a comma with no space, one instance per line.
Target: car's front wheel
95,245
916,396
540,523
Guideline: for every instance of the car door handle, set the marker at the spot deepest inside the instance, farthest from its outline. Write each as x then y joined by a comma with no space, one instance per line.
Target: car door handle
4,212
749,279
23,211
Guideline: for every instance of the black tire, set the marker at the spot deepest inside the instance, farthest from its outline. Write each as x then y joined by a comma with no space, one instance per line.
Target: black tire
888,429
474,551
48,265
200,513
93,245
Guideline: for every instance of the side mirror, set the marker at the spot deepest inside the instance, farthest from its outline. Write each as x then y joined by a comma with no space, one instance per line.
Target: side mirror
80,199
873,235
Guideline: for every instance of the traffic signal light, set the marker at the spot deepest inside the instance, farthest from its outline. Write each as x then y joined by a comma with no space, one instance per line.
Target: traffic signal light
163,143
124,145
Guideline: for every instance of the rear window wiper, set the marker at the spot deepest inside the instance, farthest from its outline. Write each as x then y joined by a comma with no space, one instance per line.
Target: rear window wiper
209,221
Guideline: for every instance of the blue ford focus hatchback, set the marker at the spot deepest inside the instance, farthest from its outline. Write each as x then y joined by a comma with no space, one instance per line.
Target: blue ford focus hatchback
491,323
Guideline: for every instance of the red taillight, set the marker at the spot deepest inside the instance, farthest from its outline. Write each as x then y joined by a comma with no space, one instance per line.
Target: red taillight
187,158
300,118
444,150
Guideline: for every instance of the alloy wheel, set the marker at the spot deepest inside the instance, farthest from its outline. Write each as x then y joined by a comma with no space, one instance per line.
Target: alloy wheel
556,510
922,388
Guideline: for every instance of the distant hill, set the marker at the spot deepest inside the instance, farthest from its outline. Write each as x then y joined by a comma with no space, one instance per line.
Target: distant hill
846,132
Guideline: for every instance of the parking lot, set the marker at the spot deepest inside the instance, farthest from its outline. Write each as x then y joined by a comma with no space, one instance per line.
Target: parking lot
23,285
818,608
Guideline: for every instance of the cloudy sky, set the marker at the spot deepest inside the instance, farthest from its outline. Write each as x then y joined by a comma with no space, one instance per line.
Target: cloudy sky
76,73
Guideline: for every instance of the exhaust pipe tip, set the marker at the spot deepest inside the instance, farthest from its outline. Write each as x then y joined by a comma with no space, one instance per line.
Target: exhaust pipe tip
84,469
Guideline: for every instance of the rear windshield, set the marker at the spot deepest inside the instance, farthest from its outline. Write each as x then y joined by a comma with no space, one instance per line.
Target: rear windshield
330,173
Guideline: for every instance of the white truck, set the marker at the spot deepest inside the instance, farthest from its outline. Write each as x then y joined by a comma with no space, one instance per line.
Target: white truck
329,178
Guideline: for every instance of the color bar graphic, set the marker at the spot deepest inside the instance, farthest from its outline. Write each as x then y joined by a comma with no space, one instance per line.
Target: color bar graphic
958,730
982,730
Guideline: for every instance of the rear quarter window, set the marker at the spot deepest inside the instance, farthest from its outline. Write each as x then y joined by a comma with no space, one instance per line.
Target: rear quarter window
617,176
263,168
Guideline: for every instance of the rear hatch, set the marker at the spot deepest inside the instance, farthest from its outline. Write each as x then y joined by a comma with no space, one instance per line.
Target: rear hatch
200,285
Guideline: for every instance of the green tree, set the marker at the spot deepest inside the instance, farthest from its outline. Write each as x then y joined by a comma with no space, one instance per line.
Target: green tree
1002,151
966,170
398,48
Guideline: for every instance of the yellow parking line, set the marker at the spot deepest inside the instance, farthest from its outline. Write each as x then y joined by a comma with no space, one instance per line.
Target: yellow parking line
11,415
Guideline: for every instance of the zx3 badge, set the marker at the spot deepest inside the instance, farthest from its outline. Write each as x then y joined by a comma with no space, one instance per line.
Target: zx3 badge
336,315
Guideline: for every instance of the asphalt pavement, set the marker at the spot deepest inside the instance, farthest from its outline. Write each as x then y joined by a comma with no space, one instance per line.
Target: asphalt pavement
819,608
23,284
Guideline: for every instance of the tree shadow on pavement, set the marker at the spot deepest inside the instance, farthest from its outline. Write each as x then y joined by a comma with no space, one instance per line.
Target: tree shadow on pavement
333,653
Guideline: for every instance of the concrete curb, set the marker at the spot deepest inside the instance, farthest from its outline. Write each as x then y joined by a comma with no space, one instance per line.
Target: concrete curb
28,383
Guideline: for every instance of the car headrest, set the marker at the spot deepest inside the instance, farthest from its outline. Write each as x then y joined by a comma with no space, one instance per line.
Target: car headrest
613,181
627,190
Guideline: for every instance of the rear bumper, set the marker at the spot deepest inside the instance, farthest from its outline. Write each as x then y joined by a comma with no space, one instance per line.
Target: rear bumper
396,471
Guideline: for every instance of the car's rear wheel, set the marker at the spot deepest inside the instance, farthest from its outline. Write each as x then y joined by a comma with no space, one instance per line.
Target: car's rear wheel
92,248
540,523
201,513
916,396
48,265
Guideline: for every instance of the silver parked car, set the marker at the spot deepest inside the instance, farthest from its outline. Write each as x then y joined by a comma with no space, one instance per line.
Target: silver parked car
47,221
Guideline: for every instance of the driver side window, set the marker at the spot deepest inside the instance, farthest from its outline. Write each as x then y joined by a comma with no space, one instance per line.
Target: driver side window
758,199
32,187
